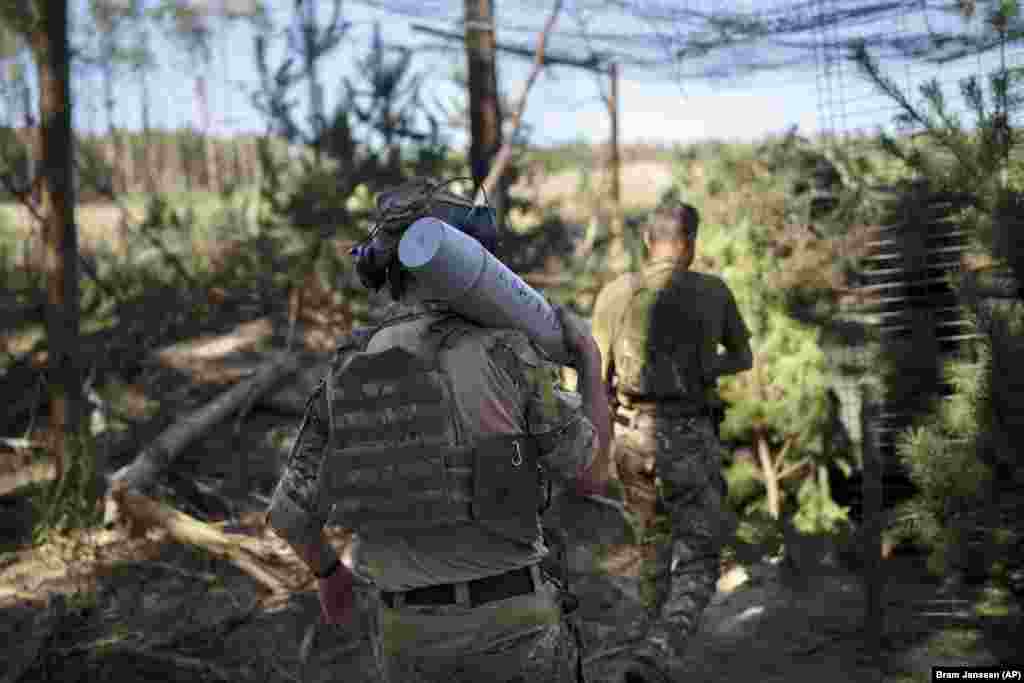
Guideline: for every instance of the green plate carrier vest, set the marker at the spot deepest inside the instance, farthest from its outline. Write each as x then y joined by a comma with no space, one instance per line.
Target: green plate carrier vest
396,464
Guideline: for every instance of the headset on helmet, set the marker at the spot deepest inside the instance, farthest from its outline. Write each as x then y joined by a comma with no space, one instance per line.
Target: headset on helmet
376,259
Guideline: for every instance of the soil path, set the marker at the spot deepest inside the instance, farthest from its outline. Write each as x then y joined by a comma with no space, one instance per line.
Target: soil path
152,611
145,609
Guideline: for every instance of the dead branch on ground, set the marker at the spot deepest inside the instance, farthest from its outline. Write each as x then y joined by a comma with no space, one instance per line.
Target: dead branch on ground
157,457
246,553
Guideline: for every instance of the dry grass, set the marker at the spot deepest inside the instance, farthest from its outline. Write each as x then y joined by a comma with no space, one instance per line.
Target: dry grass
98,224
642,185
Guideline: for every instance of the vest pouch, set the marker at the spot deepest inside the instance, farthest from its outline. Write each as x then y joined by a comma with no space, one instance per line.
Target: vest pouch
507,487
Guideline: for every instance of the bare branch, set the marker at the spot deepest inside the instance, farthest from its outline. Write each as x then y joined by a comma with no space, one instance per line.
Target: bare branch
505,153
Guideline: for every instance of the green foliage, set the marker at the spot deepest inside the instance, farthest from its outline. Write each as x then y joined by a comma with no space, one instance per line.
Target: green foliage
964,453
754,239
325,194
816,511
14,163
758,529
745,484
787,393
70,502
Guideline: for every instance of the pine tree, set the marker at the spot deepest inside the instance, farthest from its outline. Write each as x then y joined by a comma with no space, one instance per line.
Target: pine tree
342,154
965,452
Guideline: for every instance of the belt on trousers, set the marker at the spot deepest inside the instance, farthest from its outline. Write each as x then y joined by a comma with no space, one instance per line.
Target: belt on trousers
635,418
522,581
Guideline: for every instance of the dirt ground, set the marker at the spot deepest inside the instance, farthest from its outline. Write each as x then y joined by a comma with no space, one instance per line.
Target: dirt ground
149,610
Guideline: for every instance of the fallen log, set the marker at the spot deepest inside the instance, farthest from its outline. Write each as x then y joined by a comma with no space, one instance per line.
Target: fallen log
155,458
248,554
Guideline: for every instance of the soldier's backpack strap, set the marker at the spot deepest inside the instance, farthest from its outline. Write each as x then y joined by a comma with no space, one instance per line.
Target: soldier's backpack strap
636,284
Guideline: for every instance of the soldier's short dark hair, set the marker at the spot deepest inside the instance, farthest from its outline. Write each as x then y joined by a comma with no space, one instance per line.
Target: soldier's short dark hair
672,220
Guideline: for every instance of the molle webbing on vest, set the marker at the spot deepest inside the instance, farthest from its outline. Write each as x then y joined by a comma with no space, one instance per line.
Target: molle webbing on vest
495,484
395,463
405,488
392,398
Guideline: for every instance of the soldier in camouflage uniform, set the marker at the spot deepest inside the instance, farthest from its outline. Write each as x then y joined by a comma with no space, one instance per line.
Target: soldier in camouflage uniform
427,437
659,332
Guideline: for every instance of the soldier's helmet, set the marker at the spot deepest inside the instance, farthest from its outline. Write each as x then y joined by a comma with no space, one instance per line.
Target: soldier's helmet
376,258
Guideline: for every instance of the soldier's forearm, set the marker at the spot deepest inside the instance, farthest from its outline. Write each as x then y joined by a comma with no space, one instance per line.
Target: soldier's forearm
595,407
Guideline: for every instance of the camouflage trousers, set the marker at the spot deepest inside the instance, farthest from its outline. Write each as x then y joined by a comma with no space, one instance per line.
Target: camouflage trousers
671,473
524,639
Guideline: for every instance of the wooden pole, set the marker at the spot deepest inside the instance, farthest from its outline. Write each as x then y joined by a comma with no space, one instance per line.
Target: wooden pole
616,164
617,247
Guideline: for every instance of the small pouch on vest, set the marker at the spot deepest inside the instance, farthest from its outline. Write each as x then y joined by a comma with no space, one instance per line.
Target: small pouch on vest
506,487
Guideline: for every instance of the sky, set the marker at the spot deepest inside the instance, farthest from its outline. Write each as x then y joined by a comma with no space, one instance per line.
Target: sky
564,105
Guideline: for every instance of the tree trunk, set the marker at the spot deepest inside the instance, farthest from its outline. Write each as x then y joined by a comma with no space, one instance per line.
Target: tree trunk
59,234
117,177
203,130
501,160
619,259
771,480
143,471
484,103
147,127
33,175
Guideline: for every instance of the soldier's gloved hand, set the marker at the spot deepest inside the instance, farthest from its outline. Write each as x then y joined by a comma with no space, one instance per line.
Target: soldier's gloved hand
337,597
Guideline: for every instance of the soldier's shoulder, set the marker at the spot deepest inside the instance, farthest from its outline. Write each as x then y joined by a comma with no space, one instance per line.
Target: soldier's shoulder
621,283
354,341
710,281
615,292
458,335
709,286
509,345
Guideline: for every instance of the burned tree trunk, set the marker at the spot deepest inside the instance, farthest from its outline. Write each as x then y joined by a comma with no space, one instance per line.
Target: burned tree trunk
484,103
60,238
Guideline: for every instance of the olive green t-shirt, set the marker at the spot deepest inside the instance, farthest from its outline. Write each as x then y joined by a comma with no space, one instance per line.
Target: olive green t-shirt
697,296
